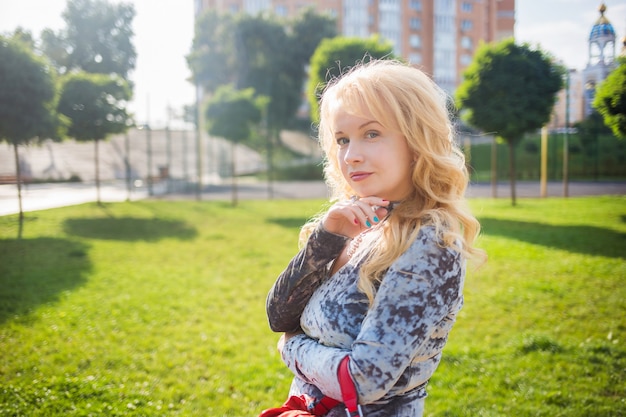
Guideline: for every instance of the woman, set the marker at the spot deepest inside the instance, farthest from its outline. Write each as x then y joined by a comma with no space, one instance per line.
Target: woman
380,274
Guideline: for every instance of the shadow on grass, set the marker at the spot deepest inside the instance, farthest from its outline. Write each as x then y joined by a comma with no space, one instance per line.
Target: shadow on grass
289,222
128,228
36,271
588,240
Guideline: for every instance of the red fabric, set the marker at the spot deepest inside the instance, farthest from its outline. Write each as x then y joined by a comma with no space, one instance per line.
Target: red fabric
305,405
348,390
298,406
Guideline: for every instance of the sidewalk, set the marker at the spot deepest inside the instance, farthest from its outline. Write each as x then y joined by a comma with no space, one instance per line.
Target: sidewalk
45,196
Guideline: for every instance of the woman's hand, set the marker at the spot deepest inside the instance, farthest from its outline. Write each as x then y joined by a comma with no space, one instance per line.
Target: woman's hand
285,337
351,217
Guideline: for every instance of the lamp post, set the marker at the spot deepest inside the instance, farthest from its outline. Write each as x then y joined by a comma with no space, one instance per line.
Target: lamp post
544,162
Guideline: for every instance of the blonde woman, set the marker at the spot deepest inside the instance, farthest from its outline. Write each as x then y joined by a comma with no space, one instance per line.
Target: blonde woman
380,275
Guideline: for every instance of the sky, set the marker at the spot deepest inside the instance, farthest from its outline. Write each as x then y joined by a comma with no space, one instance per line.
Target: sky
164,33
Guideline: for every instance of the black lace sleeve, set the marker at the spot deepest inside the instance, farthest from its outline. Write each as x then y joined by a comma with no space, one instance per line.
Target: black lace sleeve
295,285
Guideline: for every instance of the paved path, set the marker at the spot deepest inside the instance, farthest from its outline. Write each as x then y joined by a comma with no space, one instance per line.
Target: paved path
45,196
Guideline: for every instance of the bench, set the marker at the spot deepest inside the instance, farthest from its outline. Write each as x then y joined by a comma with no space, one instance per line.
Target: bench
12,179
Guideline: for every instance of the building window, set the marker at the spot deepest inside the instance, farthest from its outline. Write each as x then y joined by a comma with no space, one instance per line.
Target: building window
466,42
466,24
416,5
281,11
465,59
355,19
415,58
466,6
415,23
415,41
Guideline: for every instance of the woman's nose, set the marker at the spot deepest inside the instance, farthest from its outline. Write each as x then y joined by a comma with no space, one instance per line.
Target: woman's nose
353,153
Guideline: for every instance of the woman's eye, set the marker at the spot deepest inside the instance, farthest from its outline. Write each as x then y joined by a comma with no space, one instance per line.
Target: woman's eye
371,134
342,141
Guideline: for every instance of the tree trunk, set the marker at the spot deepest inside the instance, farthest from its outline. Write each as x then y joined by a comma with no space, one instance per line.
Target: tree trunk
494,168
127,165
512,171
18,176
270,164
232,172
97,160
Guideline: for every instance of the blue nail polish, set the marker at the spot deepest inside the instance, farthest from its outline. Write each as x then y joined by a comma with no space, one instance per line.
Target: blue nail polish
368,224
375,219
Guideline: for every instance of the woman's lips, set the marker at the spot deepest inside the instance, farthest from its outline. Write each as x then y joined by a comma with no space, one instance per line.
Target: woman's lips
359,176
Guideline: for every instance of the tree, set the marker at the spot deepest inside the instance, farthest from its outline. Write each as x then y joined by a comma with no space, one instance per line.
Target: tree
231,114
263,53
95,105
260,52
97,39
307,31
212,57
334,56
509,90
610,99
27,100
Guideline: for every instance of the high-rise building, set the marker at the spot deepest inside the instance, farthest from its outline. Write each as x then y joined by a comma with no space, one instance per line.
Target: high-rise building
438,36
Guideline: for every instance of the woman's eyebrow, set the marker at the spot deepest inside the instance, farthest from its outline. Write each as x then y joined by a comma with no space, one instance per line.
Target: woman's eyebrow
367,123
339,132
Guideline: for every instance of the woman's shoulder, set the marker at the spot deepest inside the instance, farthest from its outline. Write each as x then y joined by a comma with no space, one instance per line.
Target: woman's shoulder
428,235
430,243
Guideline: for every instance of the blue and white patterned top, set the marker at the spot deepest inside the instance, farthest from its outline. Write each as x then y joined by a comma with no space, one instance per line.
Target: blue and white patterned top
394,346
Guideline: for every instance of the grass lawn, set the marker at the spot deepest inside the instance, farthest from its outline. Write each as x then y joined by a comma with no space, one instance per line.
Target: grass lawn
156,308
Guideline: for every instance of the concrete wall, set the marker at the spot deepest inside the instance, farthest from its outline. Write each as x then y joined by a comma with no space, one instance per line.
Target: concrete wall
70,158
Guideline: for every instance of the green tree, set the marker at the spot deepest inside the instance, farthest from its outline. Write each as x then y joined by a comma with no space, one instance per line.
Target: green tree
260,52
509,90
334,56
610,99
308,29
27,100
97,38
232,114
263,53
212,58
95,105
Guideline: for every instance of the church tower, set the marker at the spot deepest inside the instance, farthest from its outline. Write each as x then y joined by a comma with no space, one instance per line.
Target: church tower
601,57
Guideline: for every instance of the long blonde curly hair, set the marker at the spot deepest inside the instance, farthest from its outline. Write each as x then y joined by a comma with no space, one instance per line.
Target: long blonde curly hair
404,99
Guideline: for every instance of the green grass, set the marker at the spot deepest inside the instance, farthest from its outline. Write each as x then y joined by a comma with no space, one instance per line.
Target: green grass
157,309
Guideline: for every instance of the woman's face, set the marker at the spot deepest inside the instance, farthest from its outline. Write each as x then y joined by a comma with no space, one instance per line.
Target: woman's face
374,160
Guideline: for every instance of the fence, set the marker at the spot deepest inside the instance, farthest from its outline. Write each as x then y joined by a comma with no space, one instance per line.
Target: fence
603,159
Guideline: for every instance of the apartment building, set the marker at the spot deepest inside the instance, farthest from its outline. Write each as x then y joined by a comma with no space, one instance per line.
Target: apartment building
439,36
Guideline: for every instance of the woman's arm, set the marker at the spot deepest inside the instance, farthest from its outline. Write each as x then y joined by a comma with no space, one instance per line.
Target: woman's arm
295,285
406,321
